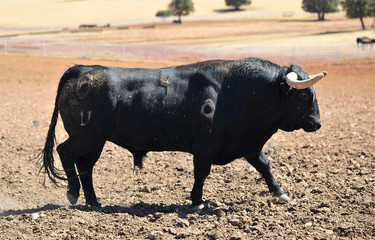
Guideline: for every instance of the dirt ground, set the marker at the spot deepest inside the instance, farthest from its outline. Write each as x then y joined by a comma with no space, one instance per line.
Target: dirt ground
329,174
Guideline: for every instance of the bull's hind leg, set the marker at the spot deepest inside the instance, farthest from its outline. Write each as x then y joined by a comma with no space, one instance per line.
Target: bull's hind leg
67,160
70,151
85,166
262,165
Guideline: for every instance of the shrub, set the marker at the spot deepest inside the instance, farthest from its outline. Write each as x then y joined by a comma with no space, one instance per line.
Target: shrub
163,13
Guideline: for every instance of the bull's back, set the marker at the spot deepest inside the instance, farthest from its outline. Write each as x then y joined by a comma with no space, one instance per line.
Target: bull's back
143,109
153,112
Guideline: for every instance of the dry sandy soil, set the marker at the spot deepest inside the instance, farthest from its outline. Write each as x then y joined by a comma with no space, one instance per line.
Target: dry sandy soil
329,174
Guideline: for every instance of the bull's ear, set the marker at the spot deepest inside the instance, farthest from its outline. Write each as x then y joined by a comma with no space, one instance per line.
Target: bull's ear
285,88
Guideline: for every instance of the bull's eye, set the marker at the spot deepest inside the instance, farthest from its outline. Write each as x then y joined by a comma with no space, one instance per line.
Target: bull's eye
304,96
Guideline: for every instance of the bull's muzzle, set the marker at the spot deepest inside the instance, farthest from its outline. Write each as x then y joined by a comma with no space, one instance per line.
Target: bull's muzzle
313,127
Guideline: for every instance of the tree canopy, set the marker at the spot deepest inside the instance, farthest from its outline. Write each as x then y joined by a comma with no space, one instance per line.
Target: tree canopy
237,3
372,11
321,7
357,9
163,13
181,7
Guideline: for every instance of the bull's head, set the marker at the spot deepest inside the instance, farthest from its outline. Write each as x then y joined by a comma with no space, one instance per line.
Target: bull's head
301,107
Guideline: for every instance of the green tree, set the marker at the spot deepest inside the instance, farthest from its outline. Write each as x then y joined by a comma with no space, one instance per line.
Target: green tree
163,13
357,9
237,3
321,7
181,7
372,11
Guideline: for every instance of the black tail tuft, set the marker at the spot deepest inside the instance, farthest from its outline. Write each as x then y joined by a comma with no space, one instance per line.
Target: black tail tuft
47,153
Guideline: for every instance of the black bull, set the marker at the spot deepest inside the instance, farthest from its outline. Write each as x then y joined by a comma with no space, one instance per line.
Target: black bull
216,110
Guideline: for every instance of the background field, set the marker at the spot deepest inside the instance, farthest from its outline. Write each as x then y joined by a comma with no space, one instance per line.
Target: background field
75,12
262,29
328,174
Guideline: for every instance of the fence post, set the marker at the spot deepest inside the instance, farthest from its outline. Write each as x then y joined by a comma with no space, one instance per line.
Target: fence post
337,54
83,49
123,48
293,55
5,46
44,48
371,52
164,53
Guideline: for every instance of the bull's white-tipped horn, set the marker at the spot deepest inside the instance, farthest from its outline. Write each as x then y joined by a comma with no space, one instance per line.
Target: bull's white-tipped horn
292,80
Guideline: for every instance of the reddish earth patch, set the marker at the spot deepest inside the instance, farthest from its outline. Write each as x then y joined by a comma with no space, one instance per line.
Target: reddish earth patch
328,174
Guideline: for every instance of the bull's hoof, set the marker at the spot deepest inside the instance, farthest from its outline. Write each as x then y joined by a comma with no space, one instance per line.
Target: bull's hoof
198,207
72,199
283,198
94,203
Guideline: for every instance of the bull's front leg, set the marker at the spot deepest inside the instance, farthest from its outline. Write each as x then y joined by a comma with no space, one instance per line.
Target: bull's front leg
202,169
262,165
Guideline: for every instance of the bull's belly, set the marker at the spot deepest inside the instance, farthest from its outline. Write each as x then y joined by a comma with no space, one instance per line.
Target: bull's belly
153,135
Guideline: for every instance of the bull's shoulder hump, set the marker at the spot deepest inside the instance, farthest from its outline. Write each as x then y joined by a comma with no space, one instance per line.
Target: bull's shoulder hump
210,64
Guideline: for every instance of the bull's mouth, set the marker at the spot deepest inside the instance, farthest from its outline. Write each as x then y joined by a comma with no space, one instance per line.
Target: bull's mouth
313,127
289,128
307,127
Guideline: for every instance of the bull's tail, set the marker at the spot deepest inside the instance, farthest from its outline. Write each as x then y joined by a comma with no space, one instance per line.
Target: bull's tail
47,159
47,153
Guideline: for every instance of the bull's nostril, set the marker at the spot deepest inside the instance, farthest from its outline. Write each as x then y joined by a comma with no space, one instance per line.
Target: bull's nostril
318,125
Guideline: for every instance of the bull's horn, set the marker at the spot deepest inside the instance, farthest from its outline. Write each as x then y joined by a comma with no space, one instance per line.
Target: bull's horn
292,80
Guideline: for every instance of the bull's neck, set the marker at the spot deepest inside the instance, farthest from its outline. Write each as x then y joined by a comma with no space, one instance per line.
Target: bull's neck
284,121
